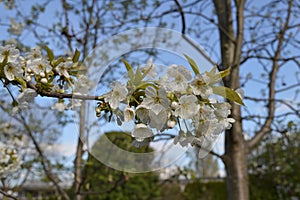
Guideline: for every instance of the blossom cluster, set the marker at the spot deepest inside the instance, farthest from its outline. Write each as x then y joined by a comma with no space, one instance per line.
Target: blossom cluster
9,159
178,100
11,145
33,72
181,100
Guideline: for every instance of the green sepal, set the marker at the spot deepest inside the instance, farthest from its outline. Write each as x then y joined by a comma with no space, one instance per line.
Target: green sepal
192,64
22,82
58,61
76,56
144,85
228,94
215,77
146,72
129,69
138,77
50,53
225,72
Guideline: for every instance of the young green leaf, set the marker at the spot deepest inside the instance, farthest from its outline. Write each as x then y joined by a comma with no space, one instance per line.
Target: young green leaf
228,94
76,56
225,72
192,64
50,53
146,71
138,77
58,61
129,69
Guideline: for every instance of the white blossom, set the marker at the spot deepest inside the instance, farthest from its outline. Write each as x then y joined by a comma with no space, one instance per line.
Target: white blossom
59,106
200,86
227,123
34,54
184,138
9,159
158,120
27,95
81,85
15,28
156,101
11,70
222,110
39,65
118,94
62,68
10,52
141,132
142,114
188,107
179,77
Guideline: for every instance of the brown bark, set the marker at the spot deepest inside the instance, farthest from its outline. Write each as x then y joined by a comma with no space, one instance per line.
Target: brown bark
236,149
79,153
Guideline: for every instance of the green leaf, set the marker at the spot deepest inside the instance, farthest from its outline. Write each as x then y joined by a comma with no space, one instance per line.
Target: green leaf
21,81
138,77
76,56
144,85
225,72
146,72
228,94
58,61
192,64
129,69
290,124
50,53
215,77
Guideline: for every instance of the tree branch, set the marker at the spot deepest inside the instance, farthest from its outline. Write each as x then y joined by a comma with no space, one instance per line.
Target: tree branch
266,128
62,95
182,16
44,162
8,195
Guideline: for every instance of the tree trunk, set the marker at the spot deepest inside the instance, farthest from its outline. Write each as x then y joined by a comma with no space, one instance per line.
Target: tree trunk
236,149
79,153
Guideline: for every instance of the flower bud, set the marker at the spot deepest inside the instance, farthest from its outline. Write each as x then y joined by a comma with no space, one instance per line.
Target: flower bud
171,123
174,105
98,110
42,74
61,91
44,80
28,78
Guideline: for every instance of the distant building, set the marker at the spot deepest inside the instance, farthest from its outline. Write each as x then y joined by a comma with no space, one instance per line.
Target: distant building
38,190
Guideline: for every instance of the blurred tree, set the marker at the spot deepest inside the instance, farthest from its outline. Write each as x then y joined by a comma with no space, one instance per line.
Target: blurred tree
33,140
274,168
102,182
206,167
205,190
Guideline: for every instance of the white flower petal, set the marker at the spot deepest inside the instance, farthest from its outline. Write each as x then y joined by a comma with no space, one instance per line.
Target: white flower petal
128,114
141,132
27,96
